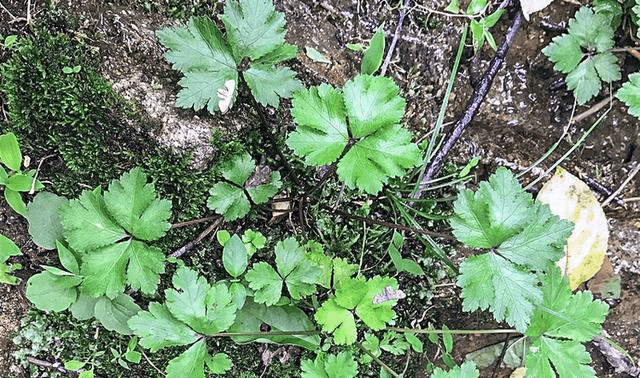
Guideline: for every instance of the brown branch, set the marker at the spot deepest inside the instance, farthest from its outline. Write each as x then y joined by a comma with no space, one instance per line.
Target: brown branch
187,247
396,35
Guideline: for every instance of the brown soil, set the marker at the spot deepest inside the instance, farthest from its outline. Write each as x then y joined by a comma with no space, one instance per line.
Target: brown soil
520,119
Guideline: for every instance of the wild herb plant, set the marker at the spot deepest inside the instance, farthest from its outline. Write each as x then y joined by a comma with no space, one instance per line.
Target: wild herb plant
212,62
358,127
245,183
15,181
102,243
480,28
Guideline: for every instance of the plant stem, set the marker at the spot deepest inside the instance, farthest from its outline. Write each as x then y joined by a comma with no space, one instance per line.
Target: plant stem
453,331
265,334
396,35
379,361
473,106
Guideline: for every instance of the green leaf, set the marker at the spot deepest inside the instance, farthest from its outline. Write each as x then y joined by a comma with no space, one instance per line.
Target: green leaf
466,370
87,224
494,213
476,6
19,182
584,81
84,307
229,201
265,191
376,315
342,365
372,160
342,270
371,103
219,363
593,30
114,314
316,55
3,175
15,201
133,203
206,309
321,133
201,53
565,52
268,84
566,358
45,226
234,256
239,294
372,58
158,329
299,274
74,365
336,319
630,94
317,256
253,27
50,292
107,269
490,281
190,364
402,264
8,248
414,341
239,169
67,258
280,318
350,292
607,66
266,283
10,152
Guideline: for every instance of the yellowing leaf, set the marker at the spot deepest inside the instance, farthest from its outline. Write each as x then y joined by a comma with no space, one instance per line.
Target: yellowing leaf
571,199
532,6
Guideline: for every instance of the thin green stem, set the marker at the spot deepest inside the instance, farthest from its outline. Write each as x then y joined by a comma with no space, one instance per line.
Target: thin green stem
436,131
575,145
265,334
453,331
379,361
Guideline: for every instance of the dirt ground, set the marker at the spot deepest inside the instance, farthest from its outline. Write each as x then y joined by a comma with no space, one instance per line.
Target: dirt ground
523,115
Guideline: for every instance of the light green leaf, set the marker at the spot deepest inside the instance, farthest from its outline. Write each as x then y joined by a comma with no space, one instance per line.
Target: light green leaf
565,52
86,223
266,282
219,363
253,27
133,203
337,320
321,134
15,201
84,307
190,364
8,248
74,365
10,154
45,226
239,169
607,66
593,30
630,94
229,201
584,81
234,256
371,103
268,84
316,55
350,292
372,160
49,292
265,191
158,329
401,264
201,53
414,341
372,58
377,315
206,309
19,182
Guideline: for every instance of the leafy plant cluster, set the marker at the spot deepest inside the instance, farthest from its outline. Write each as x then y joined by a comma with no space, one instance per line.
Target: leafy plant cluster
15,181
585,53
106,239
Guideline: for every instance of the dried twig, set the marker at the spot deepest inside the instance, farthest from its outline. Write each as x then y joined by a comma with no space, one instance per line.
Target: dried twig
187,247
473,106
396,35
619,190
619,361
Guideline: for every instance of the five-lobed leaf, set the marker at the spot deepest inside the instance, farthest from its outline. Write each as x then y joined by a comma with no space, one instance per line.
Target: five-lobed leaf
630,94
342,365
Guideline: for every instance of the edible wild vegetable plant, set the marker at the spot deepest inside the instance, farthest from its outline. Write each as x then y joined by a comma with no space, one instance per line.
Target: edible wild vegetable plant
358,127
212,62
245,183
102,244
15,181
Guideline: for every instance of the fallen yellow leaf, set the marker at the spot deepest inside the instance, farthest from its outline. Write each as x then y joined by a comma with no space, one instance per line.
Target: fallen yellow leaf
571,199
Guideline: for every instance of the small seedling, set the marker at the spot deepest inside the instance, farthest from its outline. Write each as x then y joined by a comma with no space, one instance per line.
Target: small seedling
7,249
15,181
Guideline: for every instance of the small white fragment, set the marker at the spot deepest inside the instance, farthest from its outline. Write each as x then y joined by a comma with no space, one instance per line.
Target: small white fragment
226,95
389,295
532,6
